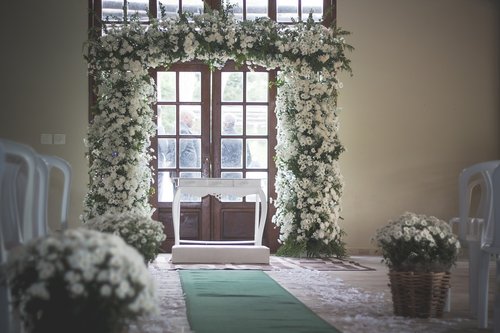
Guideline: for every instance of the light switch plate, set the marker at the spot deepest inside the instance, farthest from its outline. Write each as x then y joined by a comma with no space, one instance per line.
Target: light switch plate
59,139
46,139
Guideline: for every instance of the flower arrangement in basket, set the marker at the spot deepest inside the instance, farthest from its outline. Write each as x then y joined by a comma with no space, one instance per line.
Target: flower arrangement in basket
419,251
139,231
80,281
418,243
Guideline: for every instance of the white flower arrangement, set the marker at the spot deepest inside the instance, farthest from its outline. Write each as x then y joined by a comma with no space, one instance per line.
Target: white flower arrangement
418,243
309,183
80,281
141,232
309,56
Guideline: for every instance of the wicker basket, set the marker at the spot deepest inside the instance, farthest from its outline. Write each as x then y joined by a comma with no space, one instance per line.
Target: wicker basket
419,295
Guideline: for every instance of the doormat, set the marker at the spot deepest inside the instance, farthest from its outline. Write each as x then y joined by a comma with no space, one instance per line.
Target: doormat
245,302
275,264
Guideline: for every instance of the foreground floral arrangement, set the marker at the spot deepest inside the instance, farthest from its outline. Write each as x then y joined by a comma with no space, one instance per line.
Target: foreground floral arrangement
309,56
141,232
80,281
418,243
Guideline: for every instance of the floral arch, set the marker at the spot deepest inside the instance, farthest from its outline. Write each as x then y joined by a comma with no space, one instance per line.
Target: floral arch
309,57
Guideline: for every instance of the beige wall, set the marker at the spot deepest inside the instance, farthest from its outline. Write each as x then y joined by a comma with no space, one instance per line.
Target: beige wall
423,102
44,83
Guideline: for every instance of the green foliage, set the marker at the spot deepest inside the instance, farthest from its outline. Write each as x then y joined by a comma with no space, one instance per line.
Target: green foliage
312,248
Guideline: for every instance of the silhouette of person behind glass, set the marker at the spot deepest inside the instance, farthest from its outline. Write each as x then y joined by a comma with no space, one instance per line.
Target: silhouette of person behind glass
232,149
189,150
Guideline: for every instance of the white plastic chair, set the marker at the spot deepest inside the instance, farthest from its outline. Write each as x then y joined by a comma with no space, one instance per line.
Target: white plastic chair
490,246
17,203
40,219
471,224
53,162
18,192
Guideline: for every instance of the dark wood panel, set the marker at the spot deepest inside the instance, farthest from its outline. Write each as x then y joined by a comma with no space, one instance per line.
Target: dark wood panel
237,225
190,225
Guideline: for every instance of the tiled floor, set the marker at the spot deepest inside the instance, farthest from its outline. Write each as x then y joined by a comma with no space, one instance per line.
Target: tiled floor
351,301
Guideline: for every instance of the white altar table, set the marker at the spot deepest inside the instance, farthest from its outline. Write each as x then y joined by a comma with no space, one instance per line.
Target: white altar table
200,251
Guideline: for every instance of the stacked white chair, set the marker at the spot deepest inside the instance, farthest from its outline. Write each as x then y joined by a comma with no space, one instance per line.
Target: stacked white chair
18,193
490,246
40,218
54,162
24,191
474,179
16,212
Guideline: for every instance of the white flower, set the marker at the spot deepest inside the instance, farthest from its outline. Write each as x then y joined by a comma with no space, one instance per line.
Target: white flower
72,277
38,290
46,269
77,289
105,290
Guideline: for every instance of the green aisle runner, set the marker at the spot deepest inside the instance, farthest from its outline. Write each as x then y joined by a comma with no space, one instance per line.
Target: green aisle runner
243,301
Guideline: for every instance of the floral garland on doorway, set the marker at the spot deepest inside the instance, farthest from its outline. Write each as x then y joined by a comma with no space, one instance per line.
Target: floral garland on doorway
309,56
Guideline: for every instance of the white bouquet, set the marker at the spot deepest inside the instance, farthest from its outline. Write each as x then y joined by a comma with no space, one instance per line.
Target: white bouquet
80,281
143,233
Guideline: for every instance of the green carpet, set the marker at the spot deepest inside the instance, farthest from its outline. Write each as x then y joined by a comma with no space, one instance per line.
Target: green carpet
244,301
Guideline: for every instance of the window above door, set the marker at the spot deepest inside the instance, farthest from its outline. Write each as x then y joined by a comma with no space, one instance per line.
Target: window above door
283,11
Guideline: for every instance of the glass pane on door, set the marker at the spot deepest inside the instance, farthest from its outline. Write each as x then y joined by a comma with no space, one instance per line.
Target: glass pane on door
232,86
256,9
166,153
257,86
166,86
189,153
166,120
257,149
190,119
287,10
312,6
170,8
112,10
231,120
190,83
232,153
256,120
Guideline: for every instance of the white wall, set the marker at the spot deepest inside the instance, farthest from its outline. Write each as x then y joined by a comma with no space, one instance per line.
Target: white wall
423,102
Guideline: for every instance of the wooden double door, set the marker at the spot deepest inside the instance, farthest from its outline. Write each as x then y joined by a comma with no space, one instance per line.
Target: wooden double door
217,124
